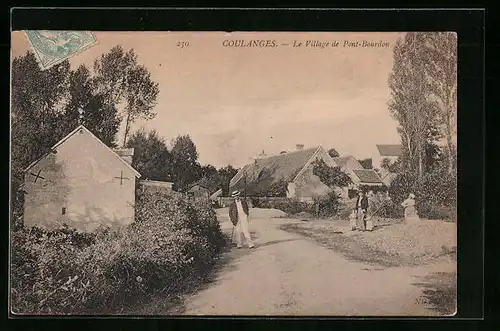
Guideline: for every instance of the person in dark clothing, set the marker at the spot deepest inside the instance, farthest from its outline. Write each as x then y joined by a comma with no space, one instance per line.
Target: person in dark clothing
361,209
238,214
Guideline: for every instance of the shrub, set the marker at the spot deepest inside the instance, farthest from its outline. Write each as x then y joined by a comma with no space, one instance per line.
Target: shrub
435,194
328,205
171,244
289,206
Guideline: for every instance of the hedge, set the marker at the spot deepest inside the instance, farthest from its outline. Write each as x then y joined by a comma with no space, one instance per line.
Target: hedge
172,244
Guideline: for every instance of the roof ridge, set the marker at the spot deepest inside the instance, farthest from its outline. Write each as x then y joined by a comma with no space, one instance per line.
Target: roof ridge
69,135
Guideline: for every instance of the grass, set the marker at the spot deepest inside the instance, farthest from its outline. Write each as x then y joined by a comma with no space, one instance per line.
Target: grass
389,245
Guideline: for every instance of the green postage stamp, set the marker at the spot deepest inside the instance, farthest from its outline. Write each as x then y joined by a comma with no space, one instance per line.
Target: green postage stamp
53,47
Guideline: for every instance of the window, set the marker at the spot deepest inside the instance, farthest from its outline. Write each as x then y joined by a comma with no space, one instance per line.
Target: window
63,211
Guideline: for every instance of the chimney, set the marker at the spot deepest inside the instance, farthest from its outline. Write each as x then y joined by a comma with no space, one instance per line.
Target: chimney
125,153
299,147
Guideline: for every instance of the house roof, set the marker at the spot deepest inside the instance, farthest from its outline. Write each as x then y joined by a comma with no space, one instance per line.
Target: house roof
341,161
368,176
389,150
266,171
216,194
81,127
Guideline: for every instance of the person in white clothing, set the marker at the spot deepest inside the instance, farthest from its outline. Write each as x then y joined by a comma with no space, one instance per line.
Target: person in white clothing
238,214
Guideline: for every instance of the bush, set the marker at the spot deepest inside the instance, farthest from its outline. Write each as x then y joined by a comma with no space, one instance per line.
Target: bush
328,205
436,195
171,245
289,206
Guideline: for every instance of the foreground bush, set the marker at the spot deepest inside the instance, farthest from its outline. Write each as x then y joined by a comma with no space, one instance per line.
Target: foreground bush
436,194
171,245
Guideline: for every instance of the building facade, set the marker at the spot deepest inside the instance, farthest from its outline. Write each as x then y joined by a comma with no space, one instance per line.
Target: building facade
81,183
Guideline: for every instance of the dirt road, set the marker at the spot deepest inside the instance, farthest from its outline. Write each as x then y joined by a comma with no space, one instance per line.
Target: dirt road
289,275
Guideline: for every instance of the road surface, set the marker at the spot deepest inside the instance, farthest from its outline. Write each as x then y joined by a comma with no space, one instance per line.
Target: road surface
288,274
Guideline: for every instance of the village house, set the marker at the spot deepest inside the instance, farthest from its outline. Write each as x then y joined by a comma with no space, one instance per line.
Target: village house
359,175
198,191
81,183
391,152
155,185
295,169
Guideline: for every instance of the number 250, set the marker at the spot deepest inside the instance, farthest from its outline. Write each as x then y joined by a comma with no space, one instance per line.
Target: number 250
182,44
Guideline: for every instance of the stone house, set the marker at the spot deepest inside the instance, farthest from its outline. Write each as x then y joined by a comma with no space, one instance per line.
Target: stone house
296,170
359,175
82,183
198,191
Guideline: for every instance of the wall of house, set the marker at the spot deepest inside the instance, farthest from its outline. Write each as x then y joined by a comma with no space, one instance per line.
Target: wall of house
352,163
308,186
200,192
81,179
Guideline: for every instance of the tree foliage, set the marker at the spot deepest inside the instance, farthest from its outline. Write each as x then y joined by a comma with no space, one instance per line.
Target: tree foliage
391,166
151,156
123,81
185,161
333,152
330,176
423,98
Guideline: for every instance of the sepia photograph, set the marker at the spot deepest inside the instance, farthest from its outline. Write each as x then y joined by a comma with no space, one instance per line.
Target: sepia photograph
175,173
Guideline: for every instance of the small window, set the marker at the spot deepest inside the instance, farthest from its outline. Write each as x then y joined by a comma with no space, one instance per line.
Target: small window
63,211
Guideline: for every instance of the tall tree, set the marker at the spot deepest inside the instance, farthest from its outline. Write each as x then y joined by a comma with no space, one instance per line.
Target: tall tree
90,109
410,104
187,170
123,81
225,175
151,156
441,49
38,98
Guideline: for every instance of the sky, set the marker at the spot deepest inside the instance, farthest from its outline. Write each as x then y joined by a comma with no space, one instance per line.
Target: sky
236,102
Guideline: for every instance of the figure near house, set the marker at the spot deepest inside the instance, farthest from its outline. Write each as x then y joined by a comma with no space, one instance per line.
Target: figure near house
361,210
238,214
410,210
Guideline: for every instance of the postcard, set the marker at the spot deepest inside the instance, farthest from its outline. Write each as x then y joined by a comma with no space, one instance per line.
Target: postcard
243,173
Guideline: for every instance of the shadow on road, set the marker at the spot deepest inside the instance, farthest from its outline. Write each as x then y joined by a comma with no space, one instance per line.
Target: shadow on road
440,291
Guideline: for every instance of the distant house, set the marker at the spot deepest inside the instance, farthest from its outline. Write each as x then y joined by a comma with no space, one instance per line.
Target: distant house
154,185
198,191
391,152
293,169
359,175
82,183
216,195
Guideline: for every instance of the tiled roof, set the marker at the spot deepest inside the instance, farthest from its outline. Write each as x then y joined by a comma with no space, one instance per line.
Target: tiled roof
266,171
389,150
368,176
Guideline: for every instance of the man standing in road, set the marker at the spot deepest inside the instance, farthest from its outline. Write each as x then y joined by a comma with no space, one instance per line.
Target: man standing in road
238,214
361,209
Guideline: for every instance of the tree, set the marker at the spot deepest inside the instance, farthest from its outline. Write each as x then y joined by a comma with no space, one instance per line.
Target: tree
410,104
225,175
391,166
122,80
441,67
90,109
333,152
151,156
330,176
187,170
37,107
